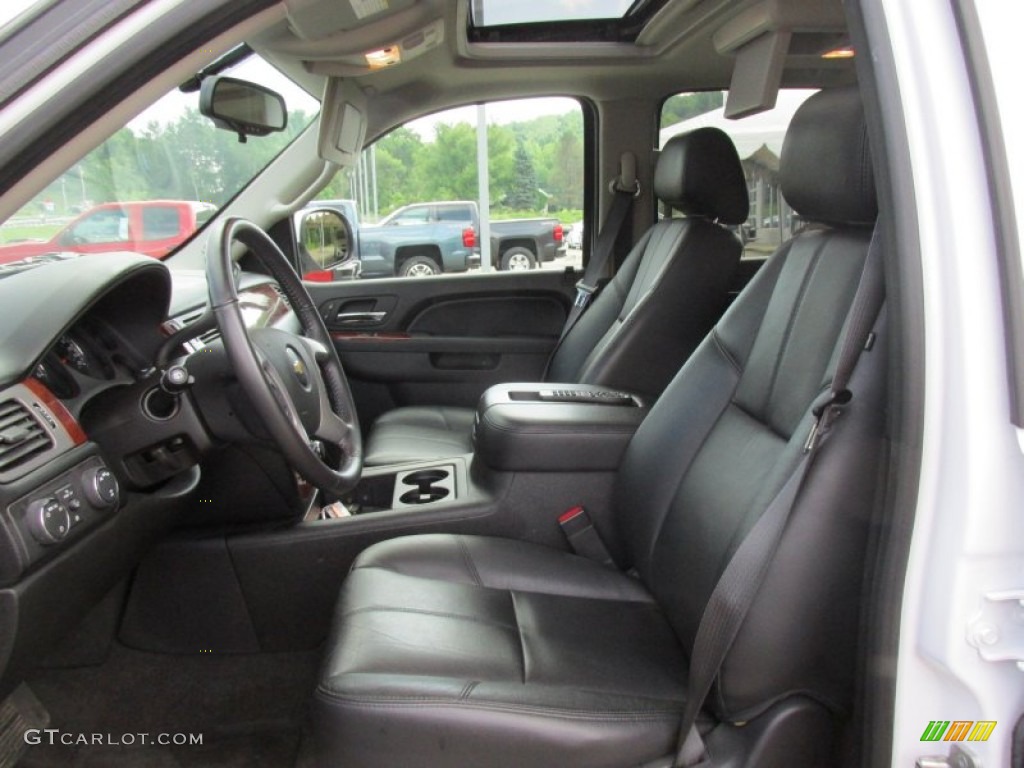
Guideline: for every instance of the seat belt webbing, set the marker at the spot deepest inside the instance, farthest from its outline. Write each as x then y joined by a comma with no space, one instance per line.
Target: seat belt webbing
737,588
626,188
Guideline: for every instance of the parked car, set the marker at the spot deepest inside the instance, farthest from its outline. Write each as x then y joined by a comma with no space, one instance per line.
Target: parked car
574,237
151,227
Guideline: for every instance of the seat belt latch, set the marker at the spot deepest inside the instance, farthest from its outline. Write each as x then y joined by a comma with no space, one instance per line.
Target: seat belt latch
583,536
584,293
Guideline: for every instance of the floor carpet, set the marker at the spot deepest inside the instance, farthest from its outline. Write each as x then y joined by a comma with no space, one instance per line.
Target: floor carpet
250,710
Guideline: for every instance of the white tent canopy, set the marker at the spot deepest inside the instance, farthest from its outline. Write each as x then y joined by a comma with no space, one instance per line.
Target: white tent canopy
749,134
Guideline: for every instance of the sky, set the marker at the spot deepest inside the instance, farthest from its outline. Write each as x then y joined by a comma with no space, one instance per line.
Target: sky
497,12
254,69
498,113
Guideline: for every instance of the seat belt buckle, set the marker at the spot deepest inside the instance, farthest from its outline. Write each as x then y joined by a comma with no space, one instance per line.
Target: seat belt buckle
583,536
824,414
584,293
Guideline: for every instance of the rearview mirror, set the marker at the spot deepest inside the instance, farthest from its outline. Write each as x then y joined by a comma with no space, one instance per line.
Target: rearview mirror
243,107
327,246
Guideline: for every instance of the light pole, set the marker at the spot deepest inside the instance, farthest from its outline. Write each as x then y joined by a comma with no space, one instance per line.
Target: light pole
483,182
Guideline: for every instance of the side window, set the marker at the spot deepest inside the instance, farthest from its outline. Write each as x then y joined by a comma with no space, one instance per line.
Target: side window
104,226
758,139
160,223
460,213
416,192
418,214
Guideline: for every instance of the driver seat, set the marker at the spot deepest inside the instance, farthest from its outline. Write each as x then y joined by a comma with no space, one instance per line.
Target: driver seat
458,650
642,326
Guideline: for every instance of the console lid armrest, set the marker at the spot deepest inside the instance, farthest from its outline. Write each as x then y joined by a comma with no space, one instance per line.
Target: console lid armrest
555,427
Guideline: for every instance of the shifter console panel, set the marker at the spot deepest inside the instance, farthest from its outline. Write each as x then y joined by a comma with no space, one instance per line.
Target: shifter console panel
409,489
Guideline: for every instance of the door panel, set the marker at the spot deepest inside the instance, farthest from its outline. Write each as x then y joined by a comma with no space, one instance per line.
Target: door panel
442,340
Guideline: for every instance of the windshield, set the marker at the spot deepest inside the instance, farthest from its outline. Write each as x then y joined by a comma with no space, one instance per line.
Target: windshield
155,183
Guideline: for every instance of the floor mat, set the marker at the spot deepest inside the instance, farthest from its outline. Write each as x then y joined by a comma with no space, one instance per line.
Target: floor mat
247,710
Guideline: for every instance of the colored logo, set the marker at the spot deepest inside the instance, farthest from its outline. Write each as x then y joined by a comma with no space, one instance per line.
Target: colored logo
958,730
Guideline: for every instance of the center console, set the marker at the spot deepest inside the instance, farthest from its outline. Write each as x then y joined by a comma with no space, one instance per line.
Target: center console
555,427
519,429
540,449
391,488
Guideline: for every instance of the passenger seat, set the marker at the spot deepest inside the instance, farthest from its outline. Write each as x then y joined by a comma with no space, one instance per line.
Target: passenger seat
646,322
454,650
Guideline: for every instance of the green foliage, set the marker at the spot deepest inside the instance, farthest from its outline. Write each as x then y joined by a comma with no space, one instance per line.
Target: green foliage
523,194
15,234
543,153
190,159
187,159
684,106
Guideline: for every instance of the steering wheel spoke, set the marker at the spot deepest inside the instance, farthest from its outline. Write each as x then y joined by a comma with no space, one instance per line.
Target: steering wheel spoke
333,429
319,351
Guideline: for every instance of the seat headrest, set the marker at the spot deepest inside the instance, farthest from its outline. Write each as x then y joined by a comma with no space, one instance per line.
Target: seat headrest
699,173
825,169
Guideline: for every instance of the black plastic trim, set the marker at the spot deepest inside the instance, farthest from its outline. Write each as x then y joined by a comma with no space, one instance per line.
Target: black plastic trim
872,733
1004,219
591,199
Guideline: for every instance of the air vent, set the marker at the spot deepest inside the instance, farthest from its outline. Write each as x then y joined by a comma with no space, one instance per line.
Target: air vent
175,324
210,336
22,437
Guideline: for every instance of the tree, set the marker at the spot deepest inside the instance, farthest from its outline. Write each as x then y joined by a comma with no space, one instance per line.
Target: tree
567,182
451,163
399,159
523,194
686,105
501,162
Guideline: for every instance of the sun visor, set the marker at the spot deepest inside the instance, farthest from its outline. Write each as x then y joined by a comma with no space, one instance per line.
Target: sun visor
762,37
342,122
757,74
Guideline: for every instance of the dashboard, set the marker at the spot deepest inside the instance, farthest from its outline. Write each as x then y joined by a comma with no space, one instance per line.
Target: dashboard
97,455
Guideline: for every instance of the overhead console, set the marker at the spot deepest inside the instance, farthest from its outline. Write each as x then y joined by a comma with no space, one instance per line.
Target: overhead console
555,427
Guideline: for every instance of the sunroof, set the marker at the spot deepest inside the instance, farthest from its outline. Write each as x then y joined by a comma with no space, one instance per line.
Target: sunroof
497,13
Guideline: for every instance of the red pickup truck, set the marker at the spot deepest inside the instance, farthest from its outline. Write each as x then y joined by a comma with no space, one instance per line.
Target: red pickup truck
153,228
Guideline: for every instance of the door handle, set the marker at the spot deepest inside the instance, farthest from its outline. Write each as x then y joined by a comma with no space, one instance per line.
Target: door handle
359,318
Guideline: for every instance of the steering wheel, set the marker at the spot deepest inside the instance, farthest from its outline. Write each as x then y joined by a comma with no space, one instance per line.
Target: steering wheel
295,383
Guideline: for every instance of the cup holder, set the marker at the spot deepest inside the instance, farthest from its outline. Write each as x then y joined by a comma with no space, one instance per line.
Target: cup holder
425,477
423,495
425,486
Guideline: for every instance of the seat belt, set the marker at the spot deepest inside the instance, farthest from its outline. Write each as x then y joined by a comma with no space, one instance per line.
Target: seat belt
626,188
737,588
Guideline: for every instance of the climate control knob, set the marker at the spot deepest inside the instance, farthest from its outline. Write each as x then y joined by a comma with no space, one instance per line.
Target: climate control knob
100,487
48,520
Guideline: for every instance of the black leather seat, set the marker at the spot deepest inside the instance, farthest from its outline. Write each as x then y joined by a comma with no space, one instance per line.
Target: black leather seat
645,323
455,650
